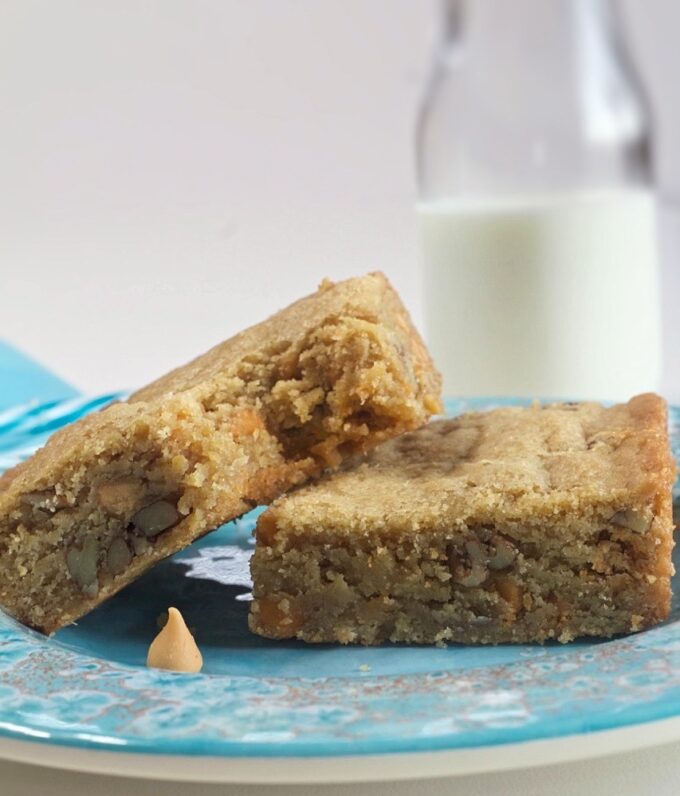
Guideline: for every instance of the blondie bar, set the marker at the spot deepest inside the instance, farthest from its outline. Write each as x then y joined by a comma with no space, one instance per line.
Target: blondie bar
333,374
515,525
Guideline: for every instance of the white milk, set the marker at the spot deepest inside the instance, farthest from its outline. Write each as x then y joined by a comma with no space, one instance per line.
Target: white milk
554,296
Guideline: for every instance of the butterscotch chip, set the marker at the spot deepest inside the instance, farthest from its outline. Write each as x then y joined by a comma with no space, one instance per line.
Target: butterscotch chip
512,525
330,376
266,530
246,422
511,592
174,647
282,615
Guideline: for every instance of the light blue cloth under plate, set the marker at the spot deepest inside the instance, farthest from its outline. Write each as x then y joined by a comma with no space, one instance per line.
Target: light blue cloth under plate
23,380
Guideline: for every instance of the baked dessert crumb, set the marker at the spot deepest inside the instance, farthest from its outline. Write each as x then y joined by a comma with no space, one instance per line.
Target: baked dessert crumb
334,374
514,525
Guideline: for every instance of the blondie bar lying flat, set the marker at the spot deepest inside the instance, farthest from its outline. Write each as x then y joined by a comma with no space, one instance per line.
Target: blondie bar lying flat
335,373
512,525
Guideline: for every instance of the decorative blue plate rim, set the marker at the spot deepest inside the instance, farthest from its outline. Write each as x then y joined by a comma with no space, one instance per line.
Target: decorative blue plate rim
51,691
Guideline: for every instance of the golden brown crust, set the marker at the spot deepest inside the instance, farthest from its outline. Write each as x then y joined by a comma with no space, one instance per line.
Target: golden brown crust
335,373
371,298
575,497
484,466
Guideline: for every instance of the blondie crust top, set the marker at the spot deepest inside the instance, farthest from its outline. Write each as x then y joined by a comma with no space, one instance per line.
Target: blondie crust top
507,465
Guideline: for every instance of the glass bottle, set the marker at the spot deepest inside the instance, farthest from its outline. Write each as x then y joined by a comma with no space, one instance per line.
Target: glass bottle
536,212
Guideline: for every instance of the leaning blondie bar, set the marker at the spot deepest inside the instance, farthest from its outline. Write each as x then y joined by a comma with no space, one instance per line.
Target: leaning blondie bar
333,374
515,525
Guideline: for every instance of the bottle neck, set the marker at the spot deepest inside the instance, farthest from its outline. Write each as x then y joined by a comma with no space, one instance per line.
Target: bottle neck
532,95
505,17
519,38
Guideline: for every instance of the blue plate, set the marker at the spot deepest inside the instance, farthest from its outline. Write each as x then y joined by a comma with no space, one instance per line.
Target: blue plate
88,687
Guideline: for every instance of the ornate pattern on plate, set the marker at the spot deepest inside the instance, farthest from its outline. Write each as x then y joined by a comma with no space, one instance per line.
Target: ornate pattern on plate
53,693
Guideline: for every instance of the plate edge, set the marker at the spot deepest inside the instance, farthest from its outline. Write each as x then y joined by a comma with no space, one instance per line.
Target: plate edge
346,769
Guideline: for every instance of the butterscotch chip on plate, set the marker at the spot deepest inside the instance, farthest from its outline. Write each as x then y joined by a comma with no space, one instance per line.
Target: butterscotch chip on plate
514,525
333,374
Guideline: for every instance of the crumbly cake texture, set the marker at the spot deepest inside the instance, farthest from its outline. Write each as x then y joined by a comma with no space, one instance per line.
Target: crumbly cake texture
335,373
516,525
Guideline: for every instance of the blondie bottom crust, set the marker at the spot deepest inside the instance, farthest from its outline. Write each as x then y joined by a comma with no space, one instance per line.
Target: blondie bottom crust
335,373
514,525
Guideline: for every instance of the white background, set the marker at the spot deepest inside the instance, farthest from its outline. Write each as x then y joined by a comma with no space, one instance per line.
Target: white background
171,171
